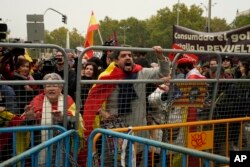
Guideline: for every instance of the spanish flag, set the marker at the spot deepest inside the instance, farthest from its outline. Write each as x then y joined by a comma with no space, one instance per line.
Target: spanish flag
97,96
89,39
100,92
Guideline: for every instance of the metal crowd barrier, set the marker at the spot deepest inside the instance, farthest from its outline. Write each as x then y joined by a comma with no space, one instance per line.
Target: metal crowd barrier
203,139
165,147
39,82
212,110
63,139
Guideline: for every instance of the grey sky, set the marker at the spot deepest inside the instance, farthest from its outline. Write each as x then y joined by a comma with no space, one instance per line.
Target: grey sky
14,12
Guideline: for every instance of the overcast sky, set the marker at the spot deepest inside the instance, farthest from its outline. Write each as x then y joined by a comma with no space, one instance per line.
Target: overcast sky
14,12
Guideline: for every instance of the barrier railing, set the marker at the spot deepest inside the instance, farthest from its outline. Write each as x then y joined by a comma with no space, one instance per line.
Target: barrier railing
33,152
203,128
65,68
216,81
207,111
147,143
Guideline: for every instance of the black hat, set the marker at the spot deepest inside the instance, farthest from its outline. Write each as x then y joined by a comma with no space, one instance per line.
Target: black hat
229,59
226,58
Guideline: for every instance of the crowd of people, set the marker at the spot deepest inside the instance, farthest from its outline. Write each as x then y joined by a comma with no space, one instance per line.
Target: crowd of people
116,105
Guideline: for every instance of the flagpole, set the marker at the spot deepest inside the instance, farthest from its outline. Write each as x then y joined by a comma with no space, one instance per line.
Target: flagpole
100,35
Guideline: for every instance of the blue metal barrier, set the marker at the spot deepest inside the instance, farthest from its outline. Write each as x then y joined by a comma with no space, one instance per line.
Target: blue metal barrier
34,151
147,142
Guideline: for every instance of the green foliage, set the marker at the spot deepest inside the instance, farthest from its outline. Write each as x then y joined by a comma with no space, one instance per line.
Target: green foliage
218,25
75,38
241,21
156,30
58,36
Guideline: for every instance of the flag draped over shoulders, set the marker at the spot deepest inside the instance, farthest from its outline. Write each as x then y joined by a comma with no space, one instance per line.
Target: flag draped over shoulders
89,39
38,107
37,104
100,92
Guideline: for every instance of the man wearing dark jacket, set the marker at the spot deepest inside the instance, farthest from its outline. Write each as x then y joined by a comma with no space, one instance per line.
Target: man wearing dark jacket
59,69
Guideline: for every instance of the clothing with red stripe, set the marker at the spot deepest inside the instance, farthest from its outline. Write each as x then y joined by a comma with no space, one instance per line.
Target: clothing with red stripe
109,93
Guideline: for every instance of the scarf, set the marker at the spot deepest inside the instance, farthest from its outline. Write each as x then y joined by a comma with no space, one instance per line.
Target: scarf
100,92
47,120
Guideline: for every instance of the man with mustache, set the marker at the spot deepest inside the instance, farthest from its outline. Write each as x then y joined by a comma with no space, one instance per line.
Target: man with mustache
123,101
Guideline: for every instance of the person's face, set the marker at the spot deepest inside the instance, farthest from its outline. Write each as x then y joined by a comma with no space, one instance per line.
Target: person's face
109,57
88,71
125,61
24,69
109,53
242,68
205,69
226,63
70,56
213,63
59,58
52,92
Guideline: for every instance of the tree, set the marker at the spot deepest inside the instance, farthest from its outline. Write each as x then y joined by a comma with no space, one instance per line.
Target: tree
58,37
75,38
156,30
107,27
241,21
136,34
218,25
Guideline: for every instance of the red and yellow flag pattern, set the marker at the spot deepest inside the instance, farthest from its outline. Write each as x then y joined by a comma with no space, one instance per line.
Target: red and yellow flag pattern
89,39
100,92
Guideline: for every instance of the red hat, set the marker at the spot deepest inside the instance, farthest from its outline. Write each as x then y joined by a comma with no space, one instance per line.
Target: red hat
186,59
191,56
177,47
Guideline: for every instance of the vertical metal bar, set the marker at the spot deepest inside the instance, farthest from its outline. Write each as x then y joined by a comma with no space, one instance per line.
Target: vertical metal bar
32,145
48,155
184,160
227,142
14,143
116,152
57,156
67,152
163,157
103,149
130,154
23,162
76,143
146,155
206,163
241,133
35,159
90,148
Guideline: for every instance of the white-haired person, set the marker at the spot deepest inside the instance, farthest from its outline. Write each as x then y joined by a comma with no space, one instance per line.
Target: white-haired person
47,108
